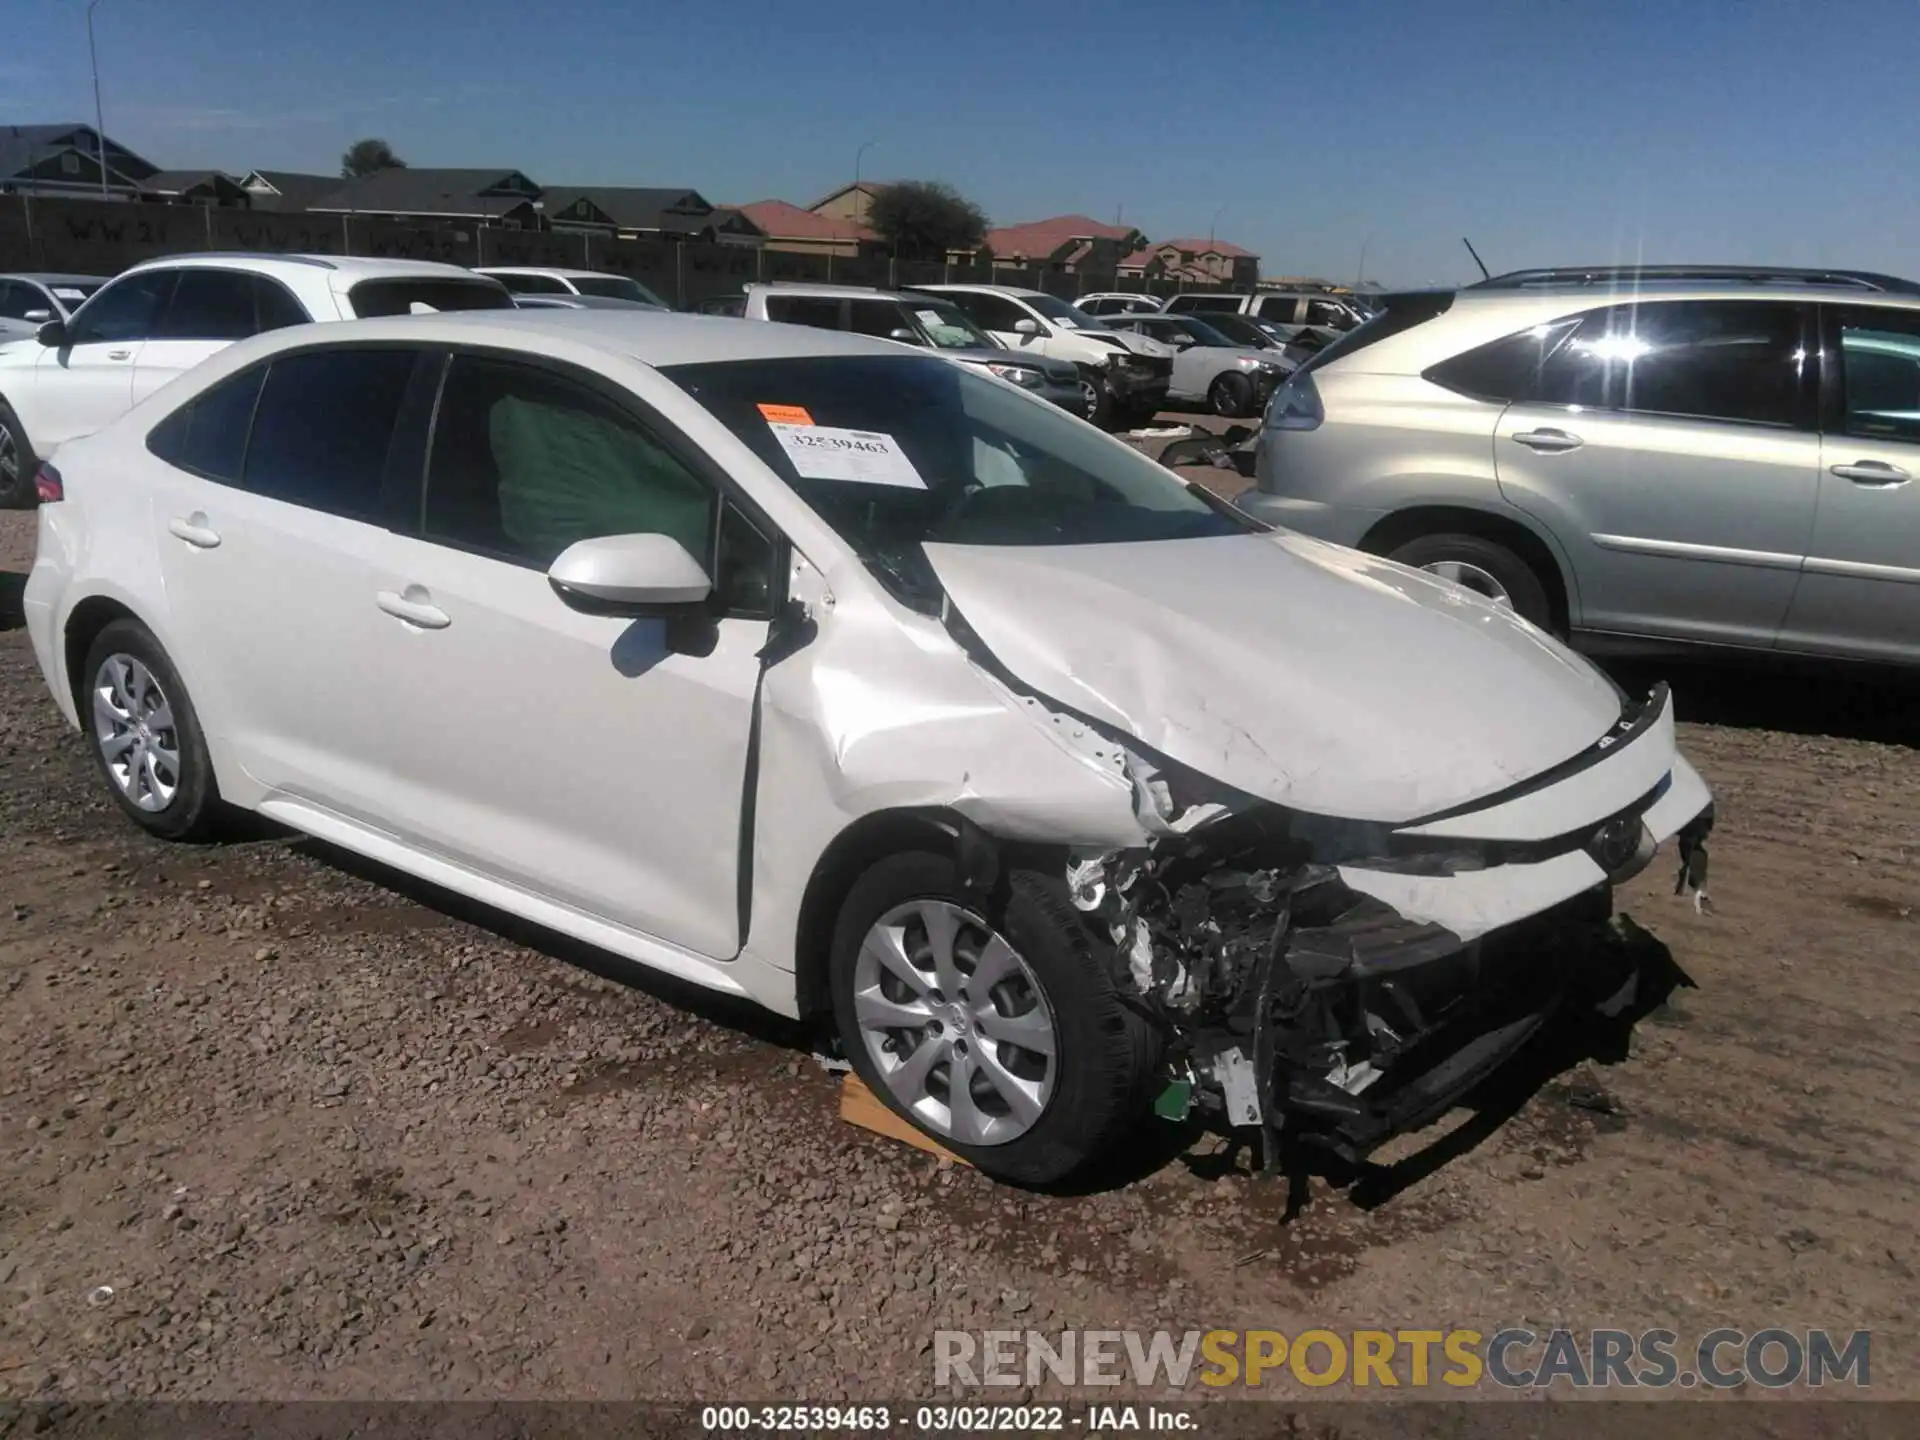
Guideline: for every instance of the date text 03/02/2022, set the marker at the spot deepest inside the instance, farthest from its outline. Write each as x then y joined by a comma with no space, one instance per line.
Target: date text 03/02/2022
956,1419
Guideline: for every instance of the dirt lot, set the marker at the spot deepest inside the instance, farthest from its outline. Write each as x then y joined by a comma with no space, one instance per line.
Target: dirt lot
326,1133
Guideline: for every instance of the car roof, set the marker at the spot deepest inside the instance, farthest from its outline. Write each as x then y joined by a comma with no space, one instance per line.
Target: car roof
559,271
48,277
1574,295
826,292
346,266
653,337
1017,290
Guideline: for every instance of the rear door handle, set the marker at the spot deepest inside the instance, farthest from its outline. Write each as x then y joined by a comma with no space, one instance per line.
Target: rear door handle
1871,472
194,530
1548,442
119,354
415,611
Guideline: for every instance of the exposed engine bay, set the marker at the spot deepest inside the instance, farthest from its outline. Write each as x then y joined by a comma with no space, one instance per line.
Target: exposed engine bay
1297,1003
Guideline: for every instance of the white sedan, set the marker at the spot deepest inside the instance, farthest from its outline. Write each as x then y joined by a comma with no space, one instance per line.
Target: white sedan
821,672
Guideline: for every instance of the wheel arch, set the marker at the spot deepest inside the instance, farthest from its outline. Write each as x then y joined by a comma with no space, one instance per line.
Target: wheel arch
864,841
1530,544
83,626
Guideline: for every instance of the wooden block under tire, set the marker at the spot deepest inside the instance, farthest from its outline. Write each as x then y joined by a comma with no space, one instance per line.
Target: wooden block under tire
860,1106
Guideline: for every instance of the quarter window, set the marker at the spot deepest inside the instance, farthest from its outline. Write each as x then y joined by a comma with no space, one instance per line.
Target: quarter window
322,427
1880,374
525,462
217,426
124,310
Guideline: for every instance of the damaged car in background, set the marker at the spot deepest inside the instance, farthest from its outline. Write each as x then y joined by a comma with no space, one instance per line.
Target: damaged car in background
869,689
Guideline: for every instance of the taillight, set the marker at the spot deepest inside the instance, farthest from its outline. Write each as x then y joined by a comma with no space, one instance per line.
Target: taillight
1296,404
46,484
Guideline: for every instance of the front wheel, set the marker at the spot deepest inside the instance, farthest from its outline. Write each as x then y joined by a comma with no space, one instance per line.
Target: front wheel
991,1023
146,735
1231,395
1097,400
1486,567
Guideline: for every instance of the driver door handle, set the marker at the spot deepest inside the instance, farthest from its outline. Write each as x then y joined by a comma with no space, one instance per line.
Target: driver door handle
1548,442
194,530
119,354
1871,472
414,612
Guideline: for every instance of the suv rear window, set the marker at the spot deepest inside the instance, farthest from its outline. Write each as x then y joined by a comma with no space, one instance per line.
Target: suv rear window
398,297
1402,313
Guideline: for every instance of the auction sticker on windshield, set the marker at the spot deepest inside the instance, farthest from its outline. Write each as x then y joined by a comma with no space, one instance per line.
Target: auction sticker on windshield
825,452
785,414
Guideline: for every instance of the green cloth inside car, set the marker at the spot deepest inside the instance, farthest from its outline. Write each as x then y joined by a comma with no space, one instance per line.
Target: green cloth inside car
567,474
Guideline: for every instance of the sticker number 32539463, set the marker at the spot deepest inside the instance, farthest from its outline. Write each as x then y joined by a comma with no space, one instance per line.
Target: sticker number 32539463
825,452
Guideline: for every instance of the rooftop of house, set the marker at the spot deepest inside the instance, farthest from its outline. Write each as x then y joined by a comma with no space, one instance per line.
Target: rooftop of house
407,191
789,222
1037,239
631,207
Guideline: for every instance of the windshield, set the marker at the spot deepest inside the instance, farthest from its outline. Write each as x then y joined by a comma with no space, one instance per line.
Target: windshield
424,295
1239,330
1199,331
947,329
1061,313
894,452
616,287
70,293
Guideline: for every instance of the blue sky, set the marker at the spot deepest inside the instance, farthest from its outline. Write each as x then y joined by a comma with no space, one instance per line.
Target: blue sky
1550,131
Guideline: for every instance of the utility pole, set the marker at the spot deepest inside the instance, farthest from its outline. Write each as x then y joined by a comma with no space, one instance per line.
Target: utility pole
99,120
1361,274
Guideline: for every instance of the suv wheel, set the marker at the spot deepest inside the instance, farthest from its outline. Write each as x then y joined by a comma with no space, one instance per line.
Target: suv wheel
146,736
17,463
991,1023
1097,398
1483,566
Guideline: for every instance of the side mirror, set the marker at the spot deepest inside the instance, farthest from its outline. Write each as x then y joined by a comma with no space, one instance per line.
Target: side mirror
902,333
37,317
1026,327
53,334
629,575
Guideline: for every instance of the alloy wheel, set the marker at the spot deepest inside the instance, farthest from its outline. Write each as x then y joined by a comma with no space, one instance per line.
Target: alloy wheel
955,1023
1471,577
9,459
133,725
1090,393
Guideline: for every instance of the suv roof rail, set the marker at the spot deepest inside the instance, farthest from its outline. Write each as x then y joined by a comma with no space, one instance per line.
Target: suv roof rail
319,262
1752,274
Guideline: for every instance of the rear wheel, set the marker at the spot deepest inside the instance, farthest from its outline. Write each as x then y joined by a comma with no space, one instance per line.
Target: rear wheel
146,736
17,463
1231,394
1486,567
988,1022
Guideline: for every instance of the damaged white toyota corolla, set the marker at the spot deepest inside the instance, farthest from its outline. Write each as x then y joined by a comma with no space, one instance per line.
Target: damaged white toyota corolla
836,676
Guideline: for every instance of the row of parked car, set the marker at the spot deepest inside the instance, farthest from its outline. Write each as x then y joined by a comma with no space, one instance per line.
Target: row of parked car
1115,360
821,670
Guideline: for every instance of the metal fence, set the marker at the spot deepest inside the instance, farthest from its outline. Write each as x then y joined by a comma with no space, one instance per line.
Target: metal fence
93,237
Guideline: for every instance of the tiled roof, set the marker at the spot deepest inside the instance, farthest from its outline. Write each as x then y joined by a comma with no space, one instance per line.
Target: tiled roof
1205,247
1038,239
782,221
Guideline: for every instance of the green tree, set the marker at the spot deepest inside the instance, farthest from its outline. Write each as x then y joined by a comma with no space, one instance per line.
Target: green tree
363,157
924,219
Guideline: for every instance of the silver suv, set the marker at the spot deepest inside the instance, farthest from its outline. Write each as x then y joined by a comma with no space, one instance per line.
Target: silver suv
1631,456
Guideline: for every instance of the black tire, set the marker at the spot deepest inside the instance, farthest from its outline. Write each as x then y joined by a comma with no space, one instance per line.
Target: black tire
18,463
193,810
1526,591
1107,1052
1231,395
1101,406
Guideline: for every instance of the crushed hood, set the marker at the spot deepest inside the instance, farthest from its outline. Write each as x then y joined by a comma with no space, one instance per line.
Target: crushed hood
1305,673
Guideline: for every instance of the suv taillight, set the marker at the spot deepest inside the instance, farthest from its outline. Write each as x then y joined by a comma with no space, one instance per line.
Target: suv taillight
1296,404
46,484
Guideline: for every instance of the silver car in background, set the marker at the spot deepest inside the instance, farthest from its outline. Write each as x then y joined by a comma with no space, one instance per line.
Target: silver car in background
28,301
1635,457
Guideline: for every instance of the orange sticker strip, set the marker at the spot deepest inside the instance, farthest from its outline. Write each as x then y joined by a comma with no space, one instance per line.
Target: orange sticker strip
786,415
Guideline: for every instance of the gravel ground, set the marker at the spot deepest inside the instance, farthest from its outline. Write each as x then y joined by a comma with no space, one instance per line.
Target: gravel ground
327,1133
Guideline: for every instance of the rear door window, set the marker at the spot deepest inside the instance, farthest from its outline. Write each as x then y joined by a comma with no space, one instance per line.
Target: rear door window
989,312
814,310
876,317
1740,360
210,305
321,429
399,296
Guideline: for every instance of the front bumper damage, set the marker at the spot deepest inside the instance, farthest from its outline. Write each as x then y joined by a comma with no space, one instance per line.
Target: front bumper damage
1344,981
